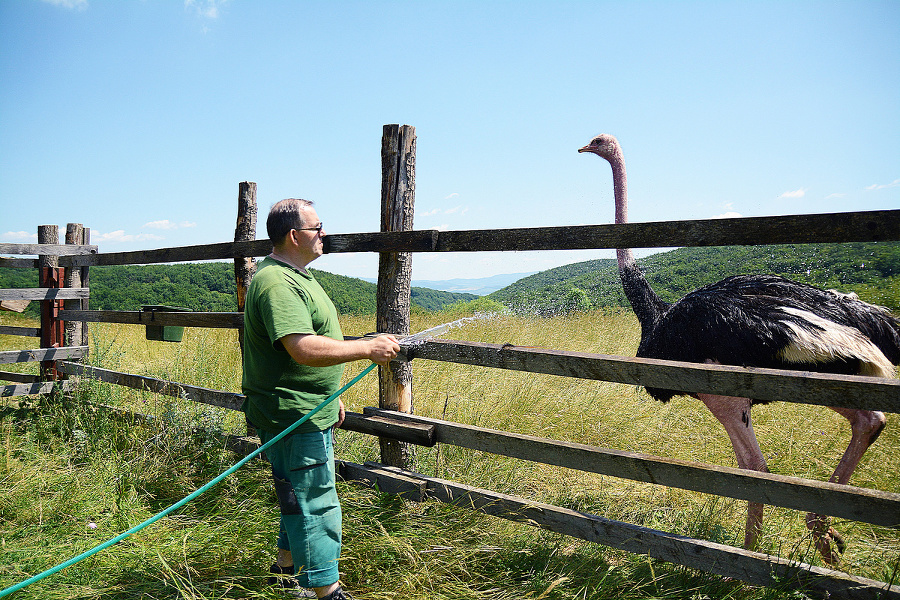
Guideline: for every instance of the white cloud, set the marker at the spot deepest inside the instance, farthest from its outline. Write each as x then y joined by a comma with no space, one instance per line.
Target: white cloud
119,236
69,4
795,194
453,195
445,211
19,237
207,9
875,186
167,224
835,195
728,215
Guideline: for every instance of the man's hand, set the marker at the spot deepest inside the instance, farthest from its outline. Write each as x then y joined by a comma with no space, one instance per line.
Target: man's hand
342,413
383,349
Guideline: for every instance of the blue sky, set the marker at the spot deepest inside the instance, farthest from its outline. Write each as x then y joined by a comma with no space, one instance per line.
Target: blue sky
140,118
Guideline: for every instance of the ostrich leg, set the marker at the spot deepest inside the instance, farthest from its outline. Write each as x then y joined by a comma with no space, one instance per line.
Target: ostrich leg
865,426
734,415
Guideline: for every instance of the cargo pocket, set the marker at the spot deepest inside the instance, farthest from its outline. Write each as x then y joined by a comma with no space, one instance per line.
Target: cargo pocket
311,464
287,499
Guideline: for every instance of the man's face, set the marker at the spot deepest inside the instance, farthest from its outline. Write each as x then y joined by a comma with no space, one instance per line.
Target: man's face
308,239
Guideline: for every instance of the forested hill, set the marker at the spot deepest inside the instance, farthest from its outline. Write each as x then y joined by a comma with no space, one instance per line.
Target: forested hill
872,270
210,287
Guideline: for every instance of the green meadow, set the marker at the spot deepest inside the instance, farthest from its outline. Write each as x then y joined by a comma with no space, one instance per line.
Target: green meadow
73,476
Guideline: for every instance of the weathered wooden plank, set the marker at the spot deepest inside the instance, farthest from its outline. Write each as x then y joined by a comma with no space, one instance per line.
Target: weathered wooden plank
727,561
47,249
18,263
224,320
23,331
858,504
388,241
864,226
33,389
158,386
44,293
42,354
19,377
421,434
389,480
14,305
223,250
872,393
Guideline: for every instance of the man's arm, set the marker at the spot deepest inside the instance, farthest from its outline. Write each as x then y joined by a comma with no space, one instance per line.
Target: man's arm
320,351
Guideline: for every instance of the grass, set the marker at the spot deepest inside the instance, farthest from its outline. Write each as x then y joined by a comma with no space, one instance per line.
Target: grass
73,477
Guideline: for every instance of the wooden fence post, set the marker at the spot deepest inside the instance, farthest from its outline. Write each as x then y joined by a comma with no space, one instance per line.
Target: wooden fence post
244,231
85,283
51,276
398,186
76,331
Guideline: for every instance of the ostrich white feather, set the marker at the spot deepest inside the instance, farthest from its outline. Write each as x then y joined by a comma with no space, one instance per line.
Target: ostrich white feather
827,341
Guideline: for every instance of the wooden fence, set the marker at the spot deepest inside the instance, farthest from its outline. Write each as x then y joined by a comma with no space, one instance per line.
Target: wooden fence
60,360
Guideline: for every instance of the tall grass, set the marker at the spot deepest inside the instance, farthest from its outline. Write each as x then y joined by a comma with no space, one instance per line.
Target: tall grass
74,476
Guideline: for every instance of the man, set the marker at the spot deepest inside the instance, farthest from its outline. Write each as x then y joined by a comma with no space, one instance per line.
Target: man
293,359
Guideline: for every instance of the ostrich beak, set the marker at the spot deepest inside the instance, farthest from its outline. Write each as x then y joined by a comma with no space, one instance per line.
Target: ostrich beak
585,149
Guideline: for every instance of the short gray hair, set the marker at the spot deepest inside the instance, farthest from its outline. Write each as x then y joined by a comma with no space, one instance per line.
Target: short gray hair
284,216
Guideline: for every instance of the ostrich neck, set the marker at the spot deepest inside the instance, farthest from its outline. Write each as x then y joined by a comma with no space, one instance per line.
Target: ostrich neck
646,304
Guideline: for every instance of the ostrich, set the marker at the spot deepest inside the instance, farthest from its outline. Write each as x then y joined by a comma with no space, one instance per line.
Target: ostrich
761,321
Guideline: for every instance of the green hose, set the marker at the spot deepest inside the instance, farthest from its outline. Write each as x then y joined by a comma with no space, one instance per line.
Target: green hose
187,499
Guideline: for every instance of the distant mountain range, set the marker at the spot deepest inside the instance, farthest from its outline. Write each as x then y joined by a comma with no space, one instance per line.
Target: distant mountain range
481,286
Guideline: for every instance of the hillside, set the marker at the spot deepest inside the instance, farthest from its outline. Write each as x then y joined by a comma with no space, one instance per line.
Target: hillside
211,287
872,270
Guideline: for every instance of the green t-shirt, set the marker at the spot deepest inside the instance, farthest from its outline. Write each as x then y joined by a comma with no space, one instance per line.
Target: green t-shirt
282,300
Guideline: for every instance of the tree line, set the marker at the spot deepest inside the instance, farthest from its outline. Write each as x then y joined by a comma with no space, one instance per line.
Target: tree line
210,287
871,270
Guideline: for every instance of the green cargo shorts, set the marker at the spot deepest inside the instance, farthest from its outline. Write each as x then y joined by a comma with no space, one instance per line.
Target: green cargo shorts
303,469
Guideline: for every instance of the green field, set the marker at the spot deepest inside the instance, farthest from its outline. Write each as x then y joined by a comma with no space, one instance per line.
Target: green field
64,465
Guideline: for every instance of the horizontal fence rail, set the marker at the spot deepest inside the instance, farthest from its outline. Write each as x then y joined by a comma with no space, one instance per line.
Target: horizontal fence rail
232,320
863,226
33,389
178,254
43,354
18,263
872,393
47,249
19,377
870,226
44,293
20,331
858,504
727,561
157,386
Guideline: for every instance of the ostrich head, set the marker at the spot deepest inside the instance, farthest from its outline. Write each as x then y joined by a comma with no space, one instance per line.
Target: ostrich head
605,146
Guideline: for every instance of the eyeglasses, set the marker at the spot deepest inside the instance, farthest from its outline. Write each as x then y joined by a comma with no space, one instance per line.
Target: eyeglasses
317,228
